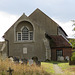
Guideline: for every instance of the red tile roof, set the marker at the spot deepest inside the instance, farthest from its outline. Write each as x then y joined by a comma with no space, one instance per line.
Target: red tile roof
59,41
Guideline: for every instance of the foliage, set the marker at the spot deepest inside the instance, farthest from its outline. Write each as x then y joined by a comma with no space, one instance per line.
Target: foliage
72,41
73,56
20,69
73,24
45,69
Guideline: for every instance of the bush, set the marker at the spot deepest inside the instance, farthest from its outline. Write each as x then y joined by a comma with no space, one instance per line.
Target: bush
47,60
73,57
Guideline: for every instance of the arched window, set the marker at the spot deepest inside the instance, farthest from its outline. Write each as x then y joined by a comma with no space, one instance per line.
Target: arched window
25,34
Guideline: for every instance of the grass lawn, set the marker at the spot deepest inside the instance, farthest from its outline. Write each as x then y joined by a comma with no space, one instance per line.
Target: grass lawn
48,67
70,69
67,69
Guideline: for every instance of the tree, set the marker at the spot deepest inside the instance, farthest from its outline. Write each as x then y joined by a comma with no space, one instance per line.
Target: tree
72,41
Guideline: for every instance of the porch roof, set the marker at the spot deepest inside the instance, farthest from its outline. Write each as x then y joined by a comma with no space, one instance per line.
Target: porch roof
59,41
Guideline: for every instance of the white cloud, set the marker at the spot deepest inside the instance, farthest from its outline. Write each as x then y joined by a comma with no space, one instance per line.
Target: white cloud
6,20
67,27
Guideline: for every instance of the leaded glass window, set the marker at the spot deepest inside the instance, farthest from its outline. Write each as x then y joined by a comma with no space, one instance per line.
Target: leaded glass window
25,34
59,53
19,36
31,35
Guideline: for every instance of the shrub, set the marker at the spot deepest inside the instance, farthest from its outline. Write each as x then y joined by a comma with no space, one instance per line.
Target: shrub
72,60
73,57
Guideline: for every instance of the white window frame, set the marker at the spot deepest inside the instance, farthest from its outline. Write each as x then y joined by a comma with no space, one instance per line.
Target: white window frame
28,35
17,36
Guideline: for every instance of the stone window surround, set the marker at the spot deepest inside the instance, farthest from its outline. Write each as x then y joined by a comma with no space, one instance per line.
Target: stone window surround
25,41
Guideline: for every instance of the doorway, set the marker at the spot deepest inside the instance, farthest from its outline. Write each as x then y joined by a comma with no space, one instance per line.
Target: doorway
59,53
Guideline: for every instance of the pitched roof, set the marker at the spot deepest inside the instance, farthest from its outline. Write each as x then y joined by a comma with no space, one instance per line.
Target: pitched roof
20,18
62,30
42,19
35,16
38,15
59,41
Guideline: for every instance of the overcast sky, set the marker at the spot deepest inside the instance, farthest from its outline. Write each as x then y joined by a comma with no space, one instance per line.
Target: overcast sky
61,11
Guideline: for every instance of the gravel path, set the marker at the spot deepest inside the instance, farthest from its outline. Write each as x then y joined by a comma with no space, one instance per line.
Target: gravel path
57,69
